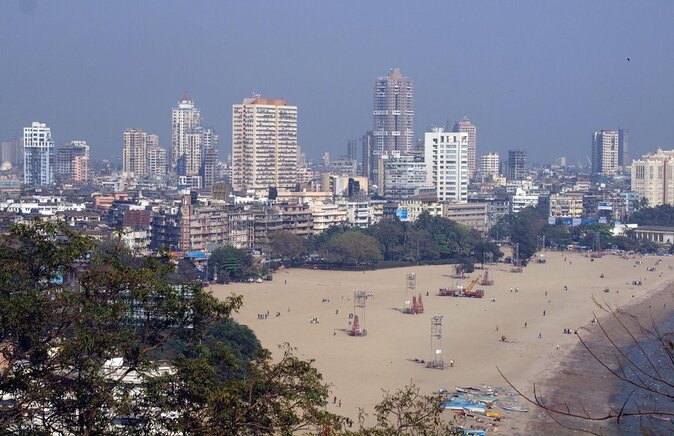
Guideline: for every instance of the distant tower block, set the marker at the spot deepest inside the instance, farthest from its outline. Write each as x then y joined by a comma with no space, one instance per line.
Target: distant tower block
410,287
358,325
436,360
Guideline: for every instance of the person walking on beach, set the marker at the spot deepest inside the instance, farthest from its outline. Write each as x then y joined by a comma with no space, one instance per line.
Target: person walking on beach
540,335
544,313
525,324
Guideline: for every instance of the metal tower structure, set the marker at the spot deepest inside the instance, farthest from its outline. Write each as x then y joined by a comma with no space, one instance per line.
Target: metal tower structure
358,325
410,287
517,263
436,360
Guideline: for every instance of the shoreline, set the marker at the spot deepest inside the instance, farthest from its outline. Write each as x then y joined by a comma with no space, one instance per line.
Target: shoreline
531,309
579,369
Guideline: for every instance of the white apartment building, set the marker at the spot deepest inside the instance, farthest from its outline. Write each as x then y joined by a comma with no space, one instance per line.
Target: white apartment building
653,177
326,216
490,164
605,152
38,155
264,144
403,175
522,199
185,118
156,161
446,157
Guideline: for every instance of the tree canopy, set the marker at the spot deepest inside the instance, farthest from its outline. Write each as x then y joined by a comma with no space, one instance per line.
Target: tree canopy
97,341
230,263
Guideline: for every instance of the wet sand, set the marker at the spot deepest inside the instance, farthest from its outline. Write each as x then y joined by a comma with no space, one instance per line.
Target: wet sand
358,368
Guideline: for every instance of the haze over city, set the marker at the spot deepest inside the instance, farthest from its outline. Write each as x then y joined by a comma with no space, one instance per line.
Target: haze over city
540,76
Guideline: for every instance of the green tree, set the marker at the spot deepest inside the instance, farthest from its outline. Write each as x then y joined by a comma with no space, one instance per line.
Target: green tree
662,215
407,412
283,397
391,234
353,248
288,246
67,308
230,263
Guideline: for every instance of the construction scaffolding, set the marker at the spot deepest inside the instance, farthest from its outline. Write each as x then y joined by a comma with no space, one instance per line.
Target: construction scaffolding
436,361
517,263
412,304
486,281
357,327
410,287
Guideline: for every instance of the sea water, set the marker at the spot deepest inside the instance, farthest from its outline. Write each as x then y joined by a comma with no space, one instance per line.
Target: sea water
648,400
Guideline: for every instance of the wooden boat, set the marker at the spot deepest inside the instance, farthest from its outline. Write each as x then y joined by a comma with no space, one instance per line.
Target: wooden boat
513,408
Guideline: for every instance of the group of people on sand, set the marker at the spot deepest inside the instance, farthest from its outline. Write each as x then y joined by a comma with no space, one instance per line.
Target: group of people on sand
265,315
569,331
315,321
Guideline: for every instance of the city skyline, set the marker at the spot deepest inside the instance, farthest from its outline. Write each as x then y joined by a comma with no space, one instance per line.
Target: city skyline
518,82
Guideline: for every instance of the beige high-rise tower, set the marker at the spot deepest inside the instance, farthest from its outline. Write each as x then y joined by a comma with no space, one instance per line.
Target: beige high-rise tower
393,114
465,126
134,152
264,144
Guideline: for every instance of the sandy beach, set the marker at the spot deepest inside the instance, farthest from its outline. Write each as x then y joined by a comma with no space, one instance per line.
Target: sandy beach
358,368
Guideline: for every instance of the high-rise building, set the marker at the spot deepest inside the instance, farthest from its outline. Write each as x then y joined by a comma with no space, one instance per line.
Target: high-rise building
516,165
209,156
653,177
624,158
72,162
490,164
466,126
264,144
38,155
403,175
134,154
605,152
352,149
10,150
366,148
446,157
156,159
393,113
185,138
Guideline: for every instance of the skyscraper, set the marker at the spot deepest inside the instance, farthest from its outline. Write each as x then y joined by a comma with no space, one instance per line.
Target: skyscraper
516,165
653,177
446,158
605,152
264,144
393,113
466,126
489,164
72,162
38,155
155,162
366,148
185,118
134,153
209,156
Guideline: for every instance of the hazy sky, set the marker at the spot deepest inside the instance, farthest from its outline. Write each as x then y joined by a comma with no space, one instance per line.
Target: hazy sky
538,75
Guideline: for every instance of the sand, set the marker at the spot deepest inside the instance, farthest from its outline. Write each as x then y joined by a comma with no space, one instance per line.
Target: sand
358,368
